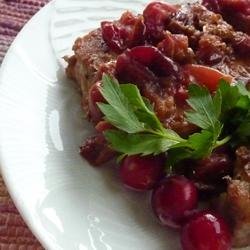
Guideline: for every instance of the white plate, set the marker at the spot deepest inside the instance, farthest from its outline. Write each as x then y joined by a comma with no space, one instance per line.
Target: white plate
67,203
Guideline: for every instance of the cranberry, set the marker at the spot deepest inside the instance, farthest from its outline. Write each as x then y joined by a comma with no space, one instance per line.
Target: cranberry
173,200
242,6
241,45
95,96
236,12
143,64
102,126
141,173
209,51
152,58
157,15
175,46
96,150
130,70
213,5
181,95
206,231
213,167
219,6
127,32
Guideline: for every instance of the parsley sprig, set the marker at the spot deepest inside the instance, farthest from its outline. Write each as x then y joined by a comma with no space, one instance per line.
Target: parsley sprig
139,131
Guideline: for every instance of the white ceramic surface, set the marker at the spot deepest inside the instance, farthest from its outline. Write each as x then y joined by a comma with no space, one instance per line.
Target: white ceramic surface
67,203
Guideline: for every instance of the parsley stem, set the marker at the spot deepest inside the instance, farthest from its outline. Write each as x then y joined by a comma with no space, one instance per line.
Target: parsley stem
222,142
178,139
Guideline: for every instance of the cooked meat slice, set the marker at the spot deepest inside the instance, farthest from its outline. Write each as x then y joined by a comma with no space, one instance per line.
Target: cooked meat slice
242,168
238,199
91,55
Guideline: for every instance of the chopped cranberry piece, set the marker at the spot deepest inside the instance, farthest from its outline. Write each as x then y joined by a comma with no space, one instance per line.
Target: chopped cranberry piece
235,12
130,70
103,126
96,151
242,6
181,95
152,58
213,5
242,45
95,96
157,15
211,50
175,46
219,6
127,32
167,46
144,64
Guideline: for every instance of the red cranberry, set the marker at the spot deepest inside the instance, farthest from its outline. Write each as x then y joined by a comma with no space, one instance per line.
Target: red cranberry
206,231
242,6
111,36
213,5
95,96
173,200
175,46
181,95
127,32
156,17
141,173
96,150
237,13
142,64
130,70
102,126
213,167
219,6
241,45
209,51
151,57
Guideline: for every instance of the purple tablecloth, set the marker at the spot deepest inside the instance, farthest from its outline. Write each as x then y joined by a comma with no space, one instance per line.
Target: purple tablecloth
13,15
14,234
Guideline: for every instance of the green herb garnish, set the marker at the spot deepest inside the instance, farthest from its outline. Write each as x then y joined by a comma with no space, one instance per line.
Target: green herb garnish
139,131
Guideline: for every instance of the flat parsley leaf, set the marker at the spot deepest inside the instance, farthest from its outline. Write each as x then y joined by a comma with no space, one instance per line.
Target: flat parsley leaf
119,110
235,111
141,107
205,113
205,109
141,132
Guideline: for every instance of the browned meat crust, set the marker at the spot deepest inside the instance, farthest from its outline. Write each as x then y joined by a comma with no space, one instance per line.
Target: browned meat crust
91,55
208,31
238,199
238,196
